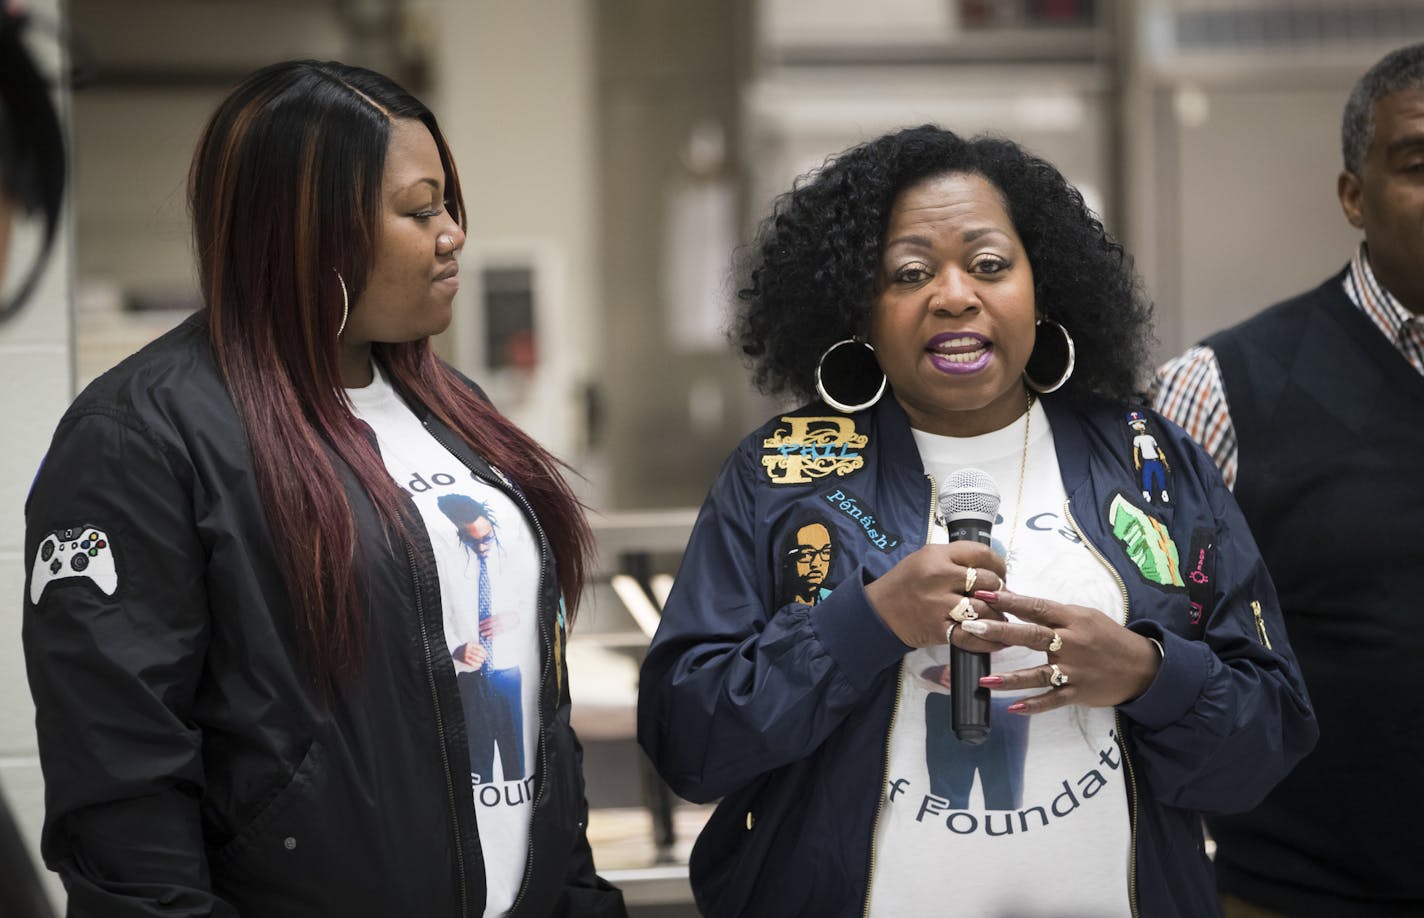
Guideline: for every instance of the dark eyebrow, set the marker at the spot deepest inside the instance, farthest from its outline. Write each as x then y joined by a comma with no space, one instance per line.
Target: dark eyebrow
925,243
425,181
972,234
1407,142
919,241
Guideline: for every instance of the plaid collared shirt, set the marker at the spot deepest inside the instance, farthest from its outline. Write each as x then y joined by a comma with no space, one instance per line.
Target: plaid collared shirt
1189,389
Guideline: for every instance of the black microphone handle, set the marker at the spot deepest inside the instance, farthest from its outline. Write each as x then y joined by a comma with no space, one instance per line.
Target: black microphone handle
969,700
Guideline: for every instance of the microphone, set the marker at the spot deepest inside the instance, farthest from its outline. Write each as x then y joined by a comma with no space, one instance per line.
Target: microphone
969,503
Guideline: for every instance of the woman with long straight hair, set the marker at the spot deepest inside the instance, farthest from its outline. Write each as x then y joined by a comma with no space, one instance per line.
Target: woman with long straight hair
261,656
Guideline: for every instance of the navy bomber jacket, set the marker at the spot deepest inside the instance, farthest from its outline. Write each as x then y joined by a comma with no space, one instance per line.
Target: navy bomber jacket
783,710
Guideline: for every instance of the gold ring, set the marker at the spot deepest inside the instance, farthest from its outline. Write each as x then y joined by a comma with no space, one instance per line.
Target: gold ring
1059,677
1056,644
963,611
970,576
949,632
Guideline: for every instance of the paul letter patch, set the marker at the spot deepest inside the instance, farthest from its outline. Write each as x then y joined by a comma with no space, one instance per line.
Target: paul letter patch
812,448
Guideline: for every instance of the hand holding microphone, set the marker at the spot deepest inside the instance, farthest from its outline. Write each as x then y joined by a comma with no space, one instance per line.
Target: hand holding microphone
915,597
968,505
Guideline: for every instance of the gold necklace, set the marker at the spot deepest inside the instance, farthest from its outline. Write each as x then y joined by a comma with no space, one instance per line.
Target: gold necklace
1018,500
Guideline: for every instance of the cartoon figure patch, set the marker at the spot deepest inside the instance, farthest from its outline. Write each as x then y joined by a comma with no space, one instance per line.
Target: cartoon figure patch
491,695
806,556
1149,460
1146,542
812,448
84,553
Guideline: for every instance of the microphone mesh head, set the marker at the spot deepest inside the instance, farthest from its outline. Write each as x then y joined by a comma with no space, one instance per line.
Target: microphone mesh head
969,493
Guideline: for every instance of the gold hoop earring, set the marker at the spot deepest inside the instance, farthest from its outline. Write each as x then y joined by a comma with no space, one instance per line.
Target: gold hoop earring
1068,356
345,304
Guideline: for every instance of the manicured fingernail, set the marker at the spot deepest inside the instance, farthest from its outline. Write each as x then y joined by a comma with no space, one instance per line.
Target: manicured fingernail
1017,708
991,680
974,626
986,595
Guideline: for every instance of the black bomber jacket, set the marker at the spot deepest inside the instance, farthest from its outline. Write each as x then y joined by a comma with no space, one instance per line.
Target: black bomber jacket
190,766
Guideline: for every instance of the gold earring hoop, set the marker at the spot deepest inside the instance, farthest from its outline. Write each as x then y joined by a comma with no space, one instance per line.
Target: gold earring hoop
345,304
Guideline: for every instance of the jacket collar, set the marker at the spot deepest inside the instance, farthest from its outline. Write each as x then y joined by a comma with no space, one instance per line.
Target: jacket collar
1069,438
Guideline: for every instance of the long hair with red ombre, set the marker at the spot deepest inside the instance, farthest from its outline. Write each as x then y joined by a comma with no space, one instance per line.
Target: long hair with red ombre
285,194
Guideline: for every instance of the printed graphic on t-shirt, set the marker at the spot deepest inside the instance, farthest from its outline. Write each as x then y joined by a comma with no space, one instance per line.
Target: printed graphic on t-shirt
1042,795
491,692
487,558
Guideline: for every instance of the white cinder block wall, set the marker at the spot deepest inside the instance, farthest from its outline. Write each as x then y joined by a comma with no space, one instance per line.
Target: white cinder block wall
36,383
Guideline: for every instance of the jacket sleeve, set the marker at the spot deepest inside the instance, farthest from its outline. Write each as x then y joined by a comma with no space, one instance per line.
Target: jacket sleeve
1227,716
731,688
114,672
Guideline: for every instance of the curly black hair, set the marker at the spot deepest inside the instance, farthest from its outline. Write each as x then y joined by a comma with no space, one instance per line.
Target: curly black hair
810,277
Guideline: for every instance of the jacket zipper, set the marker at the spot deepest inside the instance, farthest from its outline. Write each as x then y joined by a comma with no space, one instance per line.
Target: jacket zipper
542,760
894,716
1260,624
934,508
1117,720
440,727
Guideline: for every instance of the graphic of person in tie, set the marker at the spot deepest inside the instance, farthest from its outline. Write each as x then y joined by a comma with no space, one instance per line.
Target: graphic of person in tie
494,716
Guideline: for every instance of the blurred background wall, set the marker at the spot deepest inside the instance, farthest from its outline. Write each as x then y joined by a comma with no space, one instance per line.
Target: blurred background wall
614,153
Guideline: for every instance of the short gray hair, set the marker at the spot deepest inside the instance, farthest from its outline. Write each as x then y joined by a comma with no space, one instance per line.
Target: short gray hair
1400,69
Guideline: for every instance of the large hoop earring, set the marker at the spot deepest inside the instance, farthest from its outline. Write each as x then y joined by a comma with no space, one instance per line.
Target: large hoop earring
345,304
1064,355
853,372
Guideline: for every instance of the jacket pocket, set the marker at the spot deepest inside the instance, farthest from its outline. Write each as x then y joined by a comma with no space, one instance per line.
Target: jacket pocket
307,775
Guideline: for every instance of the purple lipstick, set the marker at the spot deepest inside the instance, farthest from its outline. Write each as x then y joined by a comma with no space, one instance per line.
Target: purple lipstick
959,353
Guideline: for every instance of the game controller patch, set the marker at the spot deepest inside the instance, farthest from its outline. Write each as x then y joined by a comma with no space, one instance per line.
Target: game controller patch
81,553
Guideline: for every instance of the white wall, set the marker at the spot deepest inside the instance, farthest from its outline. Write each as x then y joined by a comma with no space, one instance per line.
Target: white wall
512,91
35,387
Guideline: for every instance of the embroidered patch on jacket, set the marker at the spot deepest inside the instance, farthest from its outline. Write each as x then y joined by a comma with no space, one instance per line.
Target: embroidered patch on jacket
812,448
560,632
1153,470
854,509
806,555
1146,542
1201,580
85,553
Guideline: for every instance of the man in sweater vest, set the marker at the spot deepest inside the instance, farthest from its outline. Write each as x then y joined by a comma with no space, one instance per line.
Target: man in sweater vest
1314,411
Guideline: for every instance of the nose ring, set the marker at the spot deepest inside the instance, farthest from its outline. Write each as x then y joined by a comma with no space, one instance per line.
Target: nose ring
445,241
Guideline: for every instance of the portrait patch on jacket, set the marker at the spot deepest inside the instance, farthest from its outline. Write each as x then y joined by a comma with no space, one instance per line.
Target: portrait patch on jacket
810,448
83,553
846,503
806,555
1148,544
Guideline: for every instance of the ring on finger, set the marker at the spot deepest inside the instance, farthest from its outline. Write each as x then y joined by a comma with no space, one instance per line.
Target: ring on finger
1056,644
1059,677
963,611
970,575
949,632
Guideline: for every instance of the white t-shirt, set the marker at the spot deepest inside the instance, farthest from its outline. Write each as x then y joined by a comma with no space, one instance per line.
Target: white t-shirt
469,521
1034,822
